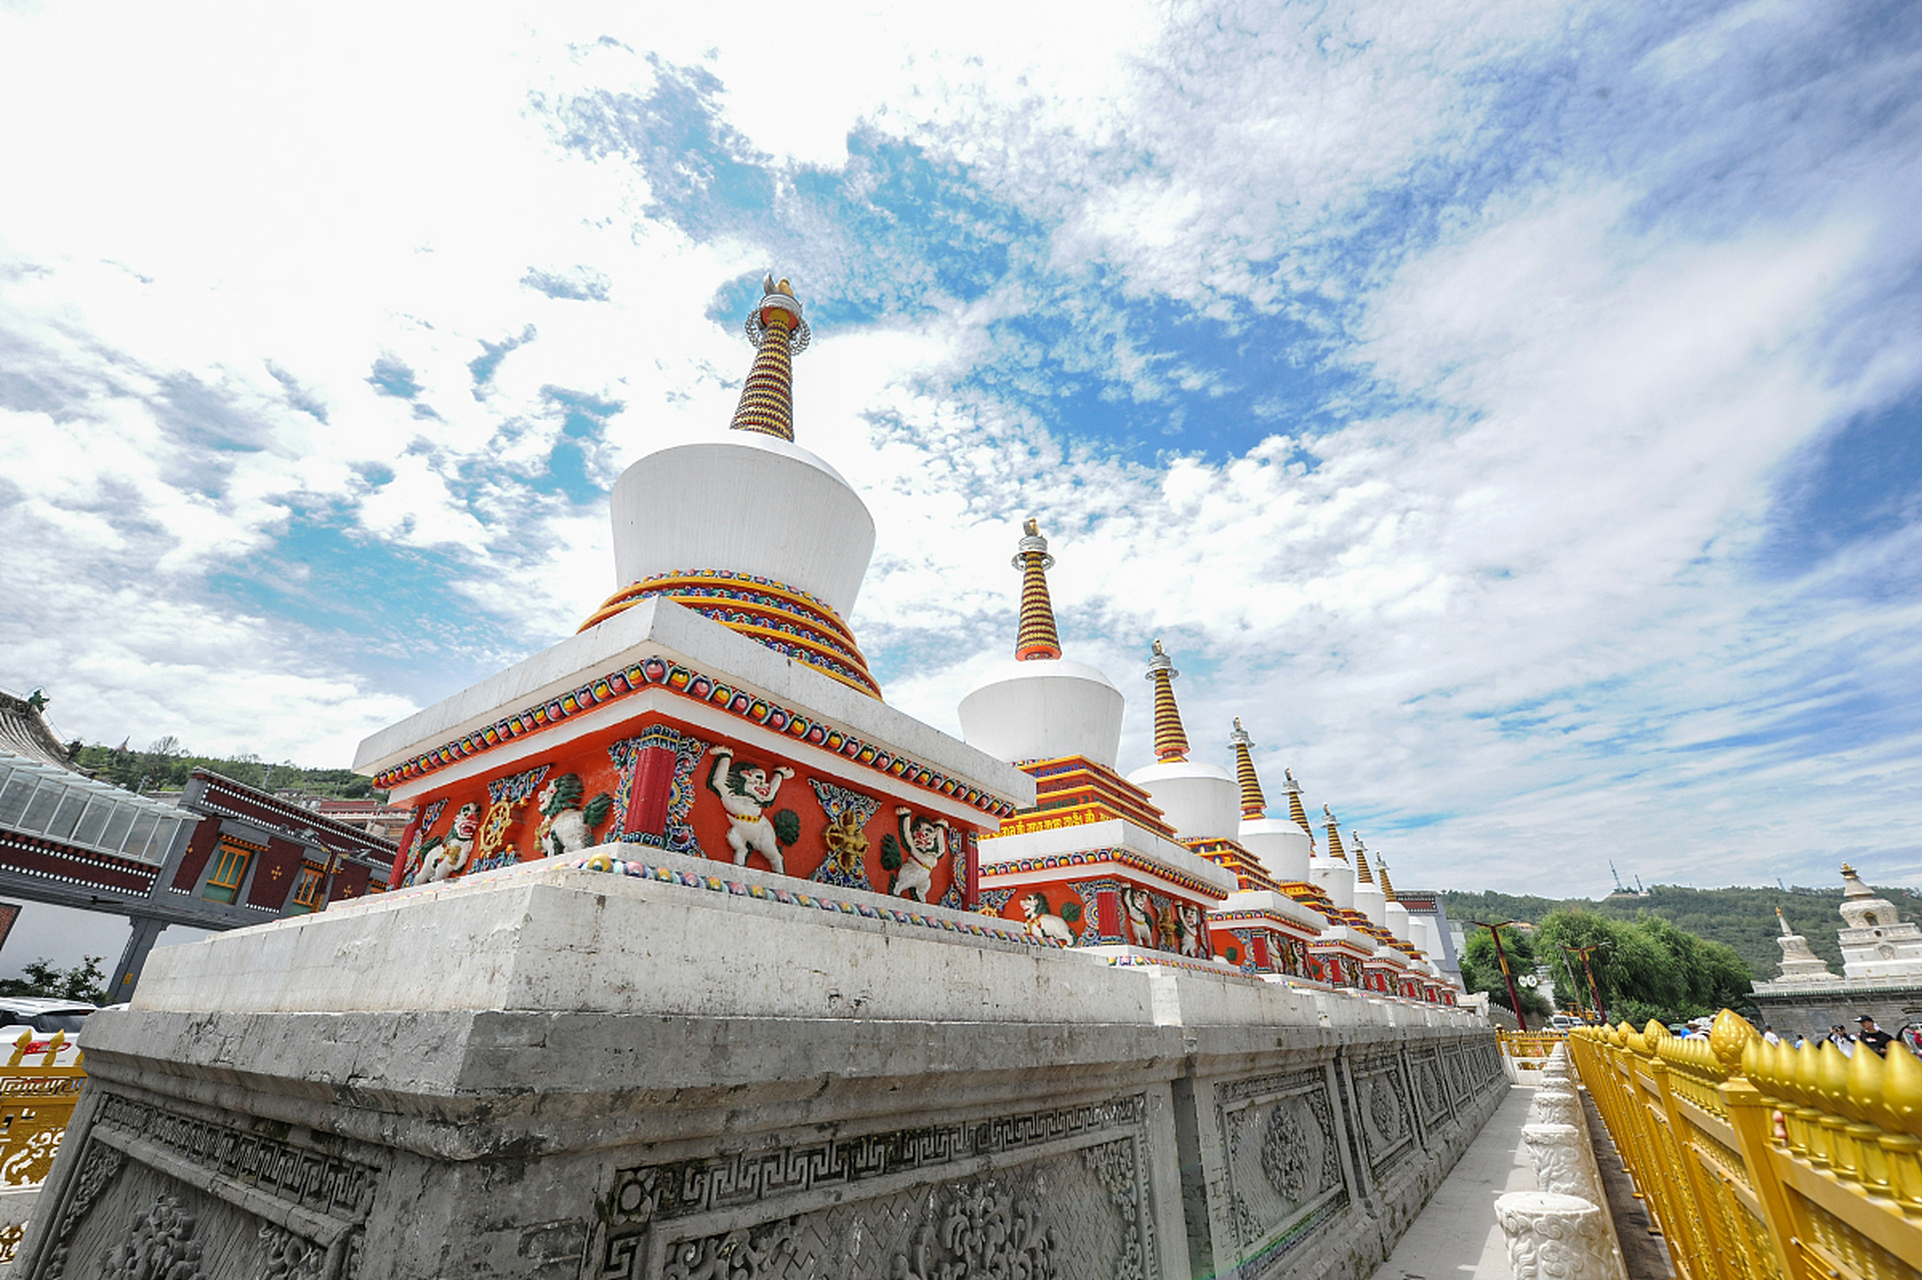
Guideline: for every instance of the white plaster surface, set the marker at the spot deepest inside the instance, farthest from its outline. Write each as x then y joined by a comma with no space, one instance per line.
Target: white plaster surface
1336,878
1372,902
749,503
1283,847
549,938
1200,801
1276,904
1396,919
1044,708
662,628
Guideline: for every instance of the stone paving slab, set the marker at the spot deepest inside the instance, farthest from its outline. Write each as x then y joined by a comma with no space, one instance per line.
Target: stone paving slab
1456,1236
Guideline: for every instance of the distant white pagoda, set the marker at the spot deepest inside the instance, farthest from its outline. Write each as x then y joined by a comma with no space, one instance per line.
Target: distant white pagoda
1881,969
1799,964
1877,944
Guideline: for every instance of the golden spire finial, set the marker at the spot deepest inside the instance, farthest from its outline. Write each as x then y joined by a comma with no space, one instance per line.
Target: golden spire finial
1171,740
1334,834
1253,803
1362,874
1295,811
1387,889
1036,637
779,334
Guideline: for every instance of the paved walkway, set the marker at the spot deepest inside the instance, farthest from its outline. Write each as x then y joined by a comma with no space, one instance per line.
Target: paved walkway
1456,1236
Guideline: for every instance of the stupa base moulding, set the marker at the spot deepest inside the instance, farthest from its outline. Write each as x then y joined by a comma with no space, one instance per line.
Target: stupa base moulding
553,1071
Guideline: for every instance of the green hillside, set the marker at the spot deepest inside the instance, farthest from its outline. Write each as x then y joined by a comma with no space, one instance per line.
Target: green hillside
1742,918
166,766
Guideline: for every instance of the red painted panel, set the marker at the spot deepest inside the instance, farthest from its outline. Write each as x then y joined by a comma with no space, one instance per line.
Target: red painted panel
653,779
1258,943
275,872
26,855
350,881
200,847
399,872
676,800
1107,912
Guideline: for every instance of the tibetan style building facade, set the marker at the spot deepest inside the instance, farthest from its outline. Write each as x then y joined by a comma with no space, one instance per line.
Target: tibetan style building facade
222,855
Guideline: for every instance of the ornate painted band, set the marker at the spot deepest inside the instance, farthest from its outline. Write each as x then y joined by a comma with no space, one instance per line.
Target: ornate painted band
785,619
674,678
1088,857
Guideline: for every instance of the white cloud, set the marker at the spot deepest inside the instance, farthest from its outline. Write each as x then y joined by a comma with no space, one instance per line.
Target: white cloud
1516,596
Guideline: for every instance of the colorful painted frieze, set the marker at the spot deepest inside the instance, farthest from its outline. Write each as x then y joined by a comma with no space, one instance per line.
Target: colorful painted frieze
656,782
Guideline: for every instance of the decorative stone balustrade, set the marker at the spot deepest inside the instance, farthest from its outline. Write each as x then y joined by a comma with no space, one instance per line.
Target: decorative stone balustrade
1564,1162
1558,1237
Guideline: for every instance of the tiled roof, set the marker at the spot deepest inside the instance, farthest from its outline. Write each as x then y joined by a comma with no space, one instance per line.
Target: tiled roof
25,732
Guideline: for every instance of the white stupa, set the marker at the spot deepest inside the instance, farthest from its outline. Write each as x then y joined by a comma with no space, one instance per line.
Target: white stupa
784,567
1331,872
1394,915
1369,899
1799,963
1041,706
1281,845
1201,801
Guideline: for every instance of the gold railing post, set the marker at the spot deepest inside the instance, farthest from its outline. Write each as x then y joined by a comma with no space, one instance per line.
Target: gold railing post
1752,1116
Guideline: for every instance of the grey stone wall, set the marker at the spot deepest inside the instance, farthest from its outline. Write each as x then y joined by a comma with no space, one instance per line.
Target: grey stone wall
1816,1011
1124,1152
1112,1122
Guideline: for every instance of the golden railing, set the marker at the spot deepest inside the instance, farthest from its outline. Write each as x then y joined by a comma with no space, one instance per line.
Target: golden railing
1759,1160
1529,1044
36,1102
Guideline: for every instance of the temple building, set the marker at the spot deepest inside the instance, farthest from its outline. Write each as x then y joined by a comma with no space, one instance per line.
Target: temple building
219,855
1881,969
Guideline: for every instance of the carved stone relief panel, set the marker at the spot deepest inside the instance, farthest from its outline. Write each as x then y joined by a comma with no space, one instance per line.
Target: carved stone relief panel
156,1192
1454,1078
1283,1164
145,1225
1059,1193
1425,1065
1382,1111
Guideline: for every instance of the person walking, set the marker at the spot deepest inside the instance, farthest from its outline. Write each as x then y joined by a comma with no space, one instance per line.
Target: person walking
1873,1036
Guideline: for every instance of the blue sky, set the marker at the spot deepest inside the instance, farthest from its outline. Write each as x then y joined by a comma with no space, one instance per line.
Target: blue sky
1513,412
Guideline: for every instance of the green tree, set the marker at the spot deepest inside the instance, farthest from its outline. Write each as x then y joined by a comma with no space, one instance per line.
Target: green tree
41,978
165,766
1647,967
1482,970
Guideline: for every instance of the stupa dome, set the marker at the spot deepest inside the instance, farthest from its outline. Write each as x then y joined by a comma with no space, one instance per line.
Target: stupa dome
751,530
1041,706
1200,801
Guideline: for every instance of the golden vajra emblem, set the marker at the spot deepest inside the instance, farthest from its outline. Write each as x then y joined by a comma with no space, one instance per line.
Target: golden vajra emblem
847,846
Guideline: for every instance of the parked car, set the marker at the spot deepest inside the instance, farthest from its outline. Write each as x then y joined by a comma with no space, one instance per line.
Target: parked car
41,1020
1562,1022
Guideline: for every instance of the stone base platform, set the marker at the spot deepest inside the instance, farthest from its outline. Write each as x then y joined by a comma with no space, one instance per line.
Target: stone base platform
689,1070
